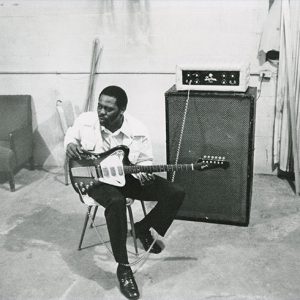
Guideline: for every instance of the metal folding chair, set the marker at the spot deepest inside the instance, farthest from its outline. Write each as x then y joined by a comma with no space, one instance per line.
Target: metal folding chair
92,203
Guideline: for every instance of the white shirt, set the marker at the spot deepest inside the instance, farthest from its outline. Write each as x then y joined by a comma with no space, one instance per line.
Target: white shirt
87,132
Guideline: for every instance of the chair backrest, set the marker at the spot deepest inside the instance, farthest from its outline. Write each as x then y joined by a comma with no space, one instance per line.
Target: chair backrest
15,112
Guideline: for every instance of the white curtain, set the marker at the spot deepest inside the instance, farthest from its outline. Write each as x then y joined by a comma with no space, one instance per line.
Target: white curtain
282,33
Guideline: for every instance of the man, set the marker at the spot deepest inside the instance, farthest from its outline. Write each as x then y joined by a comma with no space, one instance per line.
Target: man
100,131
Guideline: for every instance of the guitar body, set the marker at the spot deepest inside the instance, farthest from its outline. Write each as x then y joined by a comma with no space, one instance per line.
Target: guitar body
95,169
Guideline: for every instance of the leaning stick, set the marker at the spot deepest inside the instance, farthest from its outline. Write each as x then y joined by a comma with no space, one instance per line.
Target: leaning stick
95,59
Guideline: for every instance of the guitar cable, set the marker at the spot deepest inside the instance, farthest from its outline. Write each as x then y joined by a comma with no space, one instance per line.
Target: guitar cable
142,257
182,130
146,254
177,156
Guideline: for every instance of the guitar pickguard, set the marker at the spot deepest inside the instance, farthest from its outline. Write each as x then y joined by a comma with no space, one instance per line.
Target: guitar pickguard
108,169
112,169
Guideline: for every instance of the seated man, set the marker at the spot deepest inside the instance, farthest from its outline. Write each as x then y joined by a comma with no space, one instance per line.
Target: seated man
100,131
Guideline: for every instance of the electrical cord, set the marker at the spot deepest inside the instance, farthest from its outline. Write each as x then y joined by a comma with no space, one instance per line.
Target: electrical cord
141,258
145,255
260,85
182,130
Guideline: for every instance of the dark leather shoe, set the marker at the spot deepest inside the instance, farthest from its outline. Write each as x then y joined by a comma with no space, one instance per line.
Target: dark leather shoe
128,285
146,239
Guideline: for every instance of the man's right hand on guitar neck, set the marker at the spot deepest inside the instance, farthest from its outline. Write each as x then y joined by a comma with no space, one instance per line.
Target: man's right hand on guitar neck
74,151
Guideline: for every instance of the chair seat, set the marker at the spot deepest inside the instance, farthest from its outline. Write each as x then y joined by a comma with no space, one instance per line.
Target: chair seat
89,201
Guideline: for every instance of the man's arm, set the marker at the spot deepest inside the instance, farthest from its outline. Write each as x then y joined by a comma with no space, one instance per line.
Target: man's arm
72,141
146,159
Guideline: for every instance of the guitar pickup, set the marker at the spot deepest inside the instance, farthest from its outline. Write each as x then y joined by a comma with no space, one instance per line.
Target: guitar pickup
120,171
105,172
84,172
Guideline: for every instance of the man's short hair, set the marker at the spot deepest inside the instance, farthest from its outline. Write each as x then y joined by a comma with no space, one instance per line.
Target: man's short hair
118,93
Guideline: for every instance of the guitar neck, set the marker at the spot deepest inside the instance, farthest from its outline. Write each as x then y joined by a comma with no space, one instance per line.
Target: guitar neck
157,168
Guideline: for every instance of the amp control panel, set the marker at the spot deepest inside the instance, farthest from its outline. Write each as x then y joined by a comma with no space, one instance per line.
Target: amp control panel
223,77
210,77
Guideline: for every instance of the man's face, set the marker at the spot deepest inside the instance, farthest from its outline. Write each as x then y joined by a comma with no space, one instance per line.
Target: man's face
108,111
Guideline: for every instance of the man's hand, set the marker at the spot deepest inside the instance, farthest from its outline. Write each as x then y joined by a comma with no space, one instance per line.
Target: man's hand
74,151
145,178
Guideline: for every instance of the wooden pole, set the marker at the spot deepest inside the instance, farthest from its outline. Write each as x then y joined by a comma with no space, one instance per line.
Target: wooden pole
95,59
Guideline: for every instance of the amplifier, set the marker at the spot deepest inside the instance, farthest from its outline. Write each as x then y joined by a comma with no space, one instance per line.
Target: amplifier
231,77
217,123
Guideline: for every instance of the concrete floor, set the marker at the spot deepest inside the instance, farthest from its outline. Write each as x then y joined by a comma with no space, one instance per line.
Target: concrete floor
40,225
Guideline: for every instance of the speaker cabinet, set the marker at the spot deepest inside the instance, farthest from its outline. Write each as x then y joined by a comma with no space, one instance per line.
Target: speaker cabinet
216,123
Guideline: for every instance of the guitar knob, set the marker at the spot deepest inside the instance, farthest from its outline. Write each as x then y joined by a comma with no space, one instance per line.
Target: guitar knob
223,157
87,186
83,190
81,183
91,183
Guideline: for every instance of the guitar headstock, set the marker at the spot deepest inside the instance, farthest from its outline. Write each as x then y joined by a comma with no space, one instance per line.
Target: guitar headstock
207,162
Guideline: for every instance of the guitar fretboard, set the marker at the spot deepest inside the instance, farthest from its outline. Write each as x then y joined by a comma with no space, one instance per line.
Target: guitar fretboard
157,168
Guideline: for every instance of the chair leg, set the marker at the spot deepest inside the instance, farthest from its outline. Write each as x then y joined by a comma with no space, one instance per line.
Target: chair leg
66,170
11,180
132,229
144,208
84,226
94,216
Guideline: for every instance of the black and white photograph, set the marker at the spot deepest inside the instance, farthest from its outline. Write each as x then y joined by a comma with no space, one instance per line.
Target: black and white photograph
150,149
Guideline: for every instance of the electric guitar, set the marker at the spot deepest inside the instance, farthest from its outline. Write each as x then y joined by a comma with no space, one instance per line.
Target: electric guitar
111,166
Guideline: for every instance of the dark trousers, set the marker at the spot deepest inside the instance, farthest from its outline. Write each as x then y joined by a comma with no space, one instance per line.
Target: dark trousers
168,195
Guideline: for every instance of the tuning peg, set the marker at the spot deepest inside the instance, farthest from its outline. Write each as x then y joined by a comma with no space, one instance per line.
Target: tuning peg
204,157
91,183
83,190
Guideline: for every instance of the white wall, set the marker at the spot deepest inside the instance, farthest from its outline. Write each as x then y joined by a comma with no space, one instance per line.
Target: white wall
142,40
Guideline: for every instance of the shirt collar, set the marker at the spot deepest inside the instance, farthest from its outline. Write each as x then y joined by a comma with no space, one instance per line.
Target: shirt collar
125,128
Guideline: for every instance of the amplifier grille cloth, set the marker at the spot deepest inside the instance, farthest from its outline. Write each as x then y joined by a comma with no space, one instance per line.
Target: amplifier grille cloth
214,126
